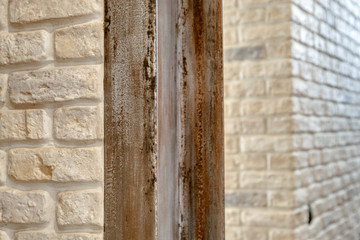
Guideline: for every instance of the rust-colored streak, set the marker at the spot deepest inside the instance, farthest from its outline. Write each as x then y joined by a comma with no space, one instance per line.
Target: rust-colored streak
202,120
130,119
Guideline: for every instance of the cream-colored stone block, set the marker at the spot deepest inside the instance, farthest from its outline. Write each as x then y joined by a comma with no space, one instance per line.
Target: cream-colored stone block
282,199
24,47
243,199
245,126
80,41
38,10
78,123
262,32
37,124
243,89
55,85
283,124
245,162
266,143
3,88
12,125
56,164
280,12
267,180
261,218
3,14
80,208
19,207
2,167
32,235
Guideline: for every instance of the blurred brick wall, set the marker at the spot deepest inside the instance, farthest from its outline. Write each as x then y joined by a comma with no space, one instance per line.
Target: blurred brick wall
292,119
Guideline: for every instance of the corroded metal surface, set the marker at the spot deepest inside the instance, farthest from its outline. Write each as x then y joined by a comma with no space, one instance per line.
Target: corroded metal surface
164,120
201,114
130,119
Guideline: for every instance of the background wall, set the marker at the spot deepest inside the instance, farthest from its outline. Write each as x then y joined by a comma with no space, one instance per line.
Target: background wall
51,119
292,108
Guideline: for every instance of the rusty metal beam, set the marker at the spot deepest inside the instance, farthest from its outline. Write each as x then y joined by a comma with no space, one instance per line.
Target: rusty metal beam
163,120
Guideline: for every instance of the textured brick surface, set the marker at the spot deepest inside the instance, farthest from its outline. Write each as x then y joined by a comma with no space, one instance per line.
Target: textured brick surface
23,47
292,96
55,85
79,208
37,10
51,124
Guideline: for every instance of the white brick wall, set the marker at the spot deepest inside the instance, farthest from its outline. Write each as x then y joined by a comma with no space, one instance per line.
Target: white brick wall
51,119
292,113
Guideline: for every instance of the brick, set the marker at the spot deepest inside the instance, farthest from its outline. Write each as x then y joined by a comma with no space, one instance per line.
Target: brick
263,32
267,180
279,49
266,143
283,124
24,47
243,16
245,126
56,164
55,85
280,87
281,12
264,69
30,235
245,162
3,85
80,41
2,167
37,124
269,218
78,123
233,216
253,233
19,125
281,234
232,180
38,10
283,199
3,14
19,207
79,208
245,199
244,53
4,236
232,145
245,89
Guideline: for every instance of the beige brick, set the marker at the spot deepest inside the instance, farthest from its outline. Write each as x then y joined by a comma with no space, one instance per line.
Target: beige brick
253,233
267,180
232,145
37,10
264,69
78,123
55,85
12,125
281,12
24,47
266,143
80,208
245,126
282,234
233,233
232,180
243,16
80,41
263,32
18,207
37,124
3,14
56,164
280,87
230,36
243,199
258,218
2,167
283,124
245,89
4,236
233,216
279,49
283,199
30,235
3,85
245,162
271,106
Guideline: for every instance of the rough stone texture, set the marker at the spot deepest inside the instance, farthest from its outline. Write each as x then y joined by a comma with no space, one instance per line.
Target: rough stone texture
80,41
24,47
2,88
21,125
3,14
56,164
53,236
24,207
55,85
292,97
78,123
80,208
33,85
2,167
3,236
37,10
